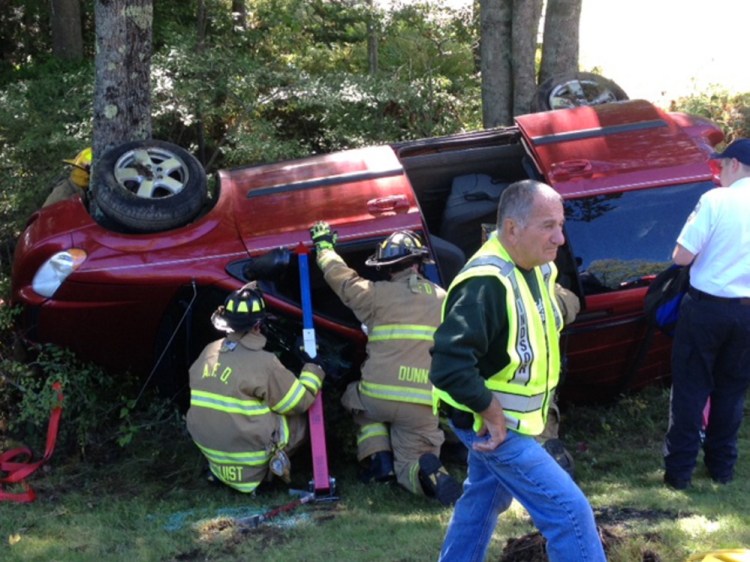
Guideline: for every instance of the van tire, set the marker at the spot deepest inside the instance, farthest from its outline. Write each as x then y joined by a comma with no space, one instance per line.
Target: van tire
149,186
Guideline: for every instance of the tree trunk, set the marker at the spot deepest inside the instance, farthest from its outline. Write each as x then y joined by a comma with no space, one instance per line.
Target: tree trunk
201,25
239,15
495,18
526,14
561,38
122,84
67,35
202,28
372,39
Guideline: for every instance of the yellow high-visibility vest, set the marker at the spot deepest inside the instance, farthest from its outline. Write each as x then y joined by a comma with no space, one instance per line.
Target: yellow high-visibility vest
525,386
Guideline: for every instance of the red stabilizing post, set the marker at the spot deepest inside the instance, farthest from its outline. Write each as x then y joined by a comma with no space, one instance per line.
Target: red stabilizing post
321,478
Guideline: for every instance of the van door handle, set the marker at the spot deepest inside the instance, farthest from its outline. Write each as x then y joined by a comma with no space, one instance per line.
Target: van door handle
569,168
390,204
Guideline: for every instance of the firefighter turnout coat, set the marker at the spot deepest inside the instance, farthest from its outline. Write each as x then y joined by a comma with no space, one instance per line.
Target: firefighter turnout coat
245,406
392,401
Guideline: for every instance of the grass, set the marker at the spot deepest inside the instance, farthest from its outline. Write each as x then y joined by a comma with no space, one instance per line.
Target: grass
148,502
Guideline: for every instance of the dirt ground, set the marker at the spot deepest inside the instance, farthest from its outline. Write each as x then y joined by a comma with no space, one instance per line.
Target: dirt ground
614,526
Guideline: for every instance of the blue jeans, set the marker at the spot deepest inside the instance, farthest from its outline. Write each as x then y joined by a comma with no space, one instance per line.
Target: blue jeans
520,468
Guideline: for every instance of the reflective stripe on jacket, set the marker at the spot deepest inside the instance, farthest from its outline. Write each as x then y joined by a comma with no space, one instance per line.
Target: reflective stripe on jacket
526,384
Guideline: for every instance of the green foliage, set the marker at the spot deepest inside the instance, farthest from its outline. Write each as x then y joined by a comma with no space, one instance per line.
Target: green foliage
86,393
245,97
45,116
24,34
729,110
246,94
97,408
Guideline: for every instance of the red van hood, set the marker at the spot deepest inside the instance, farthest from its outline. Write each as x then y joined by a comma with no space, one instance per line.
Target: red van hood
361,192
619,146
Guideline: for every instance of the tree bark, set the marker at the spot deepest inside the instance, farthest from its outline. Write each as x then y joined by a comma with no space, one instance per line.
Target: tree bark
496,54
524,43
372,39
561,38
122,84
239,15
202,28
67,34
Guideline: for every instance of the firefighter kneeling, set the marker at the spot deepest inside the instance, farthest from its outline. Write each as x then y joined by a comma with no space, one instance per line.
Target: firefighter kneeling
399,435
246,408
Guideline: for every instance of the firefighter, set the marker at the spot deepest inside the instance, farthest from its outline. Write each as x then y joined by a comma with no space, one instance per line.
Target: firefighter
399,435
77,181
246,408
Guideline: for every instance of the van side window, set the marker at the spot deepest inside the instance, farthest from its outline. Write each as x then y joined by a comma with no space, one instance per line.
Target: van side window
618,239
325,302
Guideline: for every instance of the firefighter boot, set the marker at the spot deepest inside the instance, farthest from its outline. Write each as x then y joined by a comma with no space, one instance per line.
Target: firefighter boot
436,482
380,468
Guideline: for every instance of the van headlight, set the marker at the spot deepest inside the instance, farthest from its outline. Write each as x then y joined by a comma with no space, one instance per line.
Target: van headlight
55,270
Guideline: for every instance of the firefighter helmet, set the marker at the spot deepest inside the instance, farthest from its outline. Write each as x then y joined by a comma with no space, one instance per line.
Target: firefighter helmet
401,246
241,310
79,175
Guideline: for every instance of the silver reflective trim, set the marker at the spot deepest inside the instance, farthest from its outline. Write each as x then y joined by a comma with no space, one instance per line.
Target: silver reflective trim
505,267
522,344
522,404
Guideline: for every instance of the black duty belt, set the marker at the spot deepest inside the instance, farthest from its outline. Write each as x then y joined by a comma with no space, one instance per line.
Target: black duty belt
701,296
460,418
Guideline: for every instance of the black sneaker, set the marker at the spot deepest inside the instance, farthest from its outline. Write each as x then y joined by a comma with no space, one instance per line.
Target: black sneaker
675,483
557,451
436,482
726,479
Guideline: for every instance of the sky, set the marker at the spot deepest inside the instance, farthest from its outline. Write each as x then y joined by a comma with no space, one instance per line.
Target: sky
662,49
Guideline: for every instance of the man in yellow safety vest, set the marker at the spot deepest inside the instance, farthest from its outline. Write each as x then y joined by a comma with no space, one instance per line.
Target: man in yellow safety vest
495,367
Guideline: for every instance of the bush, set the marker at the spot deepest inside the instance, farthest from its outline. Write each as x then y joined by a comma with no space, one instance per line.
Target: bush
45,117
731,111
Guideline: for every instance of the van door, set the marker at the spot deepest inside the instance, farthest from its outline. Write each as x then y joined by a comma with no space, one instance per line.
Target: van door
630,175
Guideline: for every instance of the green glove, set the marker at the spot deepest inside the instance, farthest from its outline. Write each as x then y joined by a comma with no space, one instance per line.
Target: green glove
322,236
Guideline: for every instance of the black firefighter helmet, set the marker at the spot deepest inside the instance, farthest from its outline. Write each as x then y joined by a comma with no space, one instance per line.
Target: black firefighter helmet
403,246
241,310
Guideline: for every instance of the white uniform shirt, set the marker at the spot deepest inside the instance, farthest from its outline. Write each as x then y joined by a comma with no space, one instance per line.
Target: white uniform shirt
717,232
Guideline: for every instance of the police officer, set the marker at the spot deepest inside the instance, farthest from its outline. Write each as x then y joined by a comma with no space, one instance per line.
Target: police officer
246,408
398,434
710,357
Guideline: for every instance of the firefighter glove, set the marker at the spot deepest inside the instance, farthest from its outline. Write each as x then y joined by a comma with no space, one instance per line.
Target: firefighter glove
322,236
